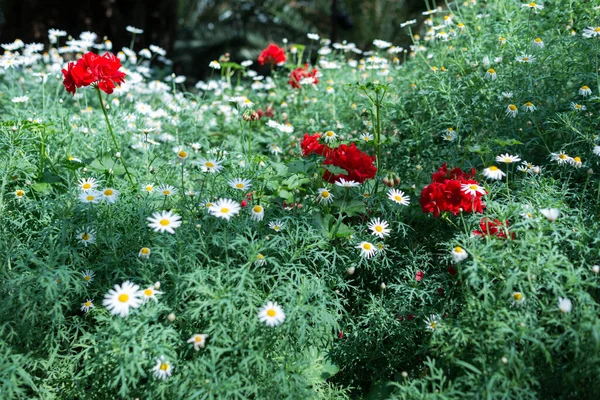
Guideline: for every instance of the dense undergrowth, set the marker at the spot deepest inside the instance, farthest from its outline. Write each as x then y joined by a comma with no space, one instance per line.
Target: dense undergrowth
481,288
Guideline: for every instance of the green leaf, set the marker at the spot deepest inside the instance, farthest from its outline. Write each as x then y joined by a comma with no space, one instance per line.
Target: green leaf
42,187
352,208
303,166
335,170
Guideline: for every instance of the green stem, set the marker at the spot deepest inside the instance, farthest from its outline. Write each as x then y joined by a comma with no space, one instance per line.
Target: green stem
339,221
112,135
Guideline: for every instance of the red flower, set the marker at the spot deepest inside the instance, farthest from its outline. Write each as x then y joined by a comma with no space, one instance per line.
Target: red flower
419,276
273,55
92,69
358,165
310,145
298,74
493,228
445,193
269,112
341,334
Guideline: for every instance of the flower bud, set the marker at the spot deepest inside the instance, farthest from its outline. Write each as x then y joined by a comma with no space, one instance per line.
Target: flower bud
171,317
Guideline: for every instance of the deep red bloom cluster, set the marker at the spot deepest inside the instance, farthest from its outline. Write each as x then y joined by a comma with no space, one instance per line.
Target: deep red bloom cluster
494,227
310,145
358,164
445,193
298,74
273,54
94,69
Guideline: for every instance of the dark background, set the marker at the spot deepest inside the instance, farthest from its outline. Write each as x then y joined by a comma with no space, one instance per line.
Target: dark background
194,32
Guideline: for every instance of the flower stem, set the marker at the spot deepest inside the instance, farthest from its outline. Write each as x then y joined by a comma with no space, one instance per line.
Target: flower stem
112,134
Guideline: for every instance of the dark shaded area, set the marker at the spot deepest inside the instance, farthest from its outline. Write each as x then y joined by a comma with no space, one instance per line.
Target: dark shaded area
194,32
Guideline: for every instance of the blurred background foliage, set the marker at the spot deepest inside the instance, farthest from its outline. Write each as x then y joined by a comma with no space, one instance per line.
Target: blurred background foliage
194,32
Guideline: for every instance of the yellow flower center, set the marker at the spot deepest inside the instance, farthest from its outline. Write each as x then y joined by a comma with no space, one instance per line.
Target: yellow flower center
398,198
532,4
597,29
562,156
145,250
367,246
182,154
458,249
123,298
20,193
276,227
493,168
148,292
208,205
379,229
198,338
329,133
473,187
528,104
164,222
90,198
224,210
324,194
491,71
271,313
432,324
257,209
86,186
87,278
512,107
149,188
585,88
88,303
578,106
85,236
525,58
164,366
108,192
517,296
209,164
577,160
260,257
239,185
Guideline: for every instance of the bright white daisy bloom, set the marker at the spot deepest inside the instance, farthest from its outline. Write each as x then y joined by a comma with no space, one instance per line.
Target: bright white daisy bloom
90,196
565,305
367,250
271,314
88,305
578,107
88,276
214,64
366,137
381,44
532,6
240,183
86,184
398,196
313,36
512,111
144,253
277,226
257,213
459,254
591,32
433,322
149,188
120,299
347,184
198,340
260,260
493,172
149,294
19,193
165,221
110,195
538,42
224,208
526,58
596,150
324,196
576,162
551,214
379,228
167,190
210,165
585,91
132,29
528,106
329,136
86,236
491,74
163,369
20,99
507,158
561,158
472,189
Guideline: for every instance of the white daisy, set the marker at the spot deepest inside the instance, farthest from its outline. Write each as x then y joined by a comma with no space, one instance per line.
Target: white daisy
367,250
90,196
144,253
432,322
459,254
532,6
507,158
329,136
271,314
19,194
260,260
199,340
88,276
565,305
347,184
596,150
163,369
257,212
110,195
366,137
512,110
576,162
224,208
86,236
277,226
324,196
210,165
560,158
491,74
120,299
149,188
398,196
240,183
379,227
165,221
526,58
528,106
472,189
88,305
518,299
87,184
493,172
585,91
591,32
149,293
551,214
167,190
578,107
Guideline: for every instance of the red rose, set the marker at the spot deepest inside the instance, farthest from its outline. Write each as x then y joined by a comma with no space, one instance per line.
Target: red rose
358,165
310,145
298,74
419,276
92,69
273,55
493,228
